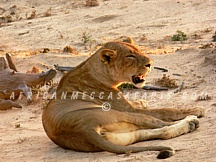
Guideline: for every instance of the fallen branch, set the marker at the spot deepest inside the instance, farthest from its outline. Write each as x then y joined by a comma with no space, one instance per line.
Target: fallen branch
131,86
10,62
163,69
176,74
155,88
3,64
63,68
11,82
179,88
8,104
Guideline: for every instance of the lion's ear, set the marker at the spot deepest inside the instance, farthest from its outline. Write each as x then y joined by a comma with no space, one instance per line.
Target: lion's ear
129,40
107,56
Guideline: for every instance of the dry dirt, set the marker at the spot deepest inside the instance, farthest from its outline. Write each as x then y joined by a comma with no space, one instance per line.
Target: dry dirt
55,24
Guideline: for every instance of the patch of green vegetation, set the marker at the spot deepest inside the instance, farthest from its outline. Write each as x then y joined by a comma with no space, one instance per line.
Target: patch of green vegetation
179,36
86,37
125,86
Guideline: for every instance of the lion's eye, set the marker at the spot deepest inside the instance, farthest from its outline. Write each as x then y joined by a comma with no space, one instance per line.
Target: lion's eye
130,56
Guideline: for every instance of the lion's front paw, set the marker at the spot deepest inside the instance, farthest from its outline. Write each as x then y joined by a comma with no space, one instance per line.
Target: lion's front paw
199,111
140,104
187,125
193,122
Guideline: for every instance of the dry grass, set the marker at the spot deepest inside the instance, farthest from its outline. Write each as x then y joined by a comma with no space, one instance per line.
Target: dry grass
92,3
33,15
70,49
166,81
204,97
47,13
21,140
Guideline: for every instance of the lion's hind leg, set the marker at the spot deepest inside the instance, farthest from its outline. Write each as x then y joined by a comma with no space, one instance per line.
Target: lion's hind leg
173,114
189,124
134,134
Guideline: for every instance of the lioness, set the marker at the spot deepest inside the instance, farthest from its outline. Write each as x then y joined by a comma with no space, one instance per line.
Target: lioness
80,119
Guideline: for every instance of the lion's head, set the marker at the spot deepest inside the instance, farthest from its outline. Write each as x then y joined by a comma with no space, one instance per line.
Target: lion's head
113,64
125,63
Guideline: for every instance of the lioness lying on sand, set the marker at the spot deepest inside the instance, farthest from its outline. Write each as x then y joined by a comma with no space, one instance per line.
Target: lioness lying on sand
76,118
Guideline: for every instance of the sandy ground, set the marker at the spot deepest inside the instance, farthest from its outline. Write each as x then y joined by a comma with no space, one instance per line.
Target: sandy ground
59,23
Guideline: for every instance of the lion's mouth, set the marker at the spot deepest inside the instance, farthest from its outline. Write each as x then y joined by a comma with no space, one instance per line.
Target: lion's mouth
138,79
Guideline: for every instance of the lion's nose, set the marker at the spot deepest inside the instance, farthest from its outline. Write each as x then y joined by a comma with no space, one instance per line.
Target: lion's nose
149,64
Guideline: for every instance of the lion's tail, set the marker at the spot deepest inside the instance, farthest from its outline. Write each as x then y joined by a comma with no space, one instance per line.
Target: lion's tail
103,144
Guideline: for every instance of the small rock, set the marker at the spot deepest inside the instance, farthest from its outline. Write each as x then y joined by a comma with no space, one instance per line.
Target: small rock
17,125
70,49
45,50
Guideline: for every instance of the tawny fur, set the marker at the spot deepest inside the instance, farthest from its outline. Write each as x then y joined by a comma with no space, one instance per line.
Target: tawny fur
77,121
